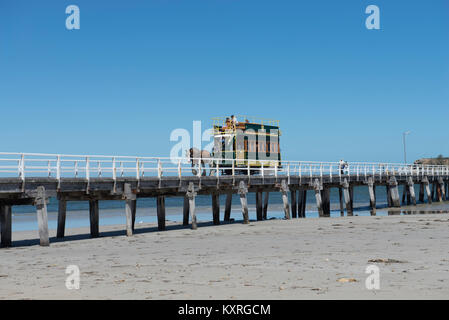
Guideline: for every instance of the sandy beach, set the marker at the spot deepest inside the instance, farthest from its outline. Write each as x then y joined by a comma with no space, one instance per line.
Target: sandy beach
308,258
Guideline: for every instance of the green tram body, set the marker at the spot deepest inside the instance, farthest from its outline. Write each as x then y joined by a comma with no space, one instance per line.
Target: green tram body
260,142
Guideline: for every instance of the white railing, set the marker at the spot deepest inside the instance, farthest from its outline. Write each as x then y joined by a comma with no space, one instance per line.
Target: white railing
59,166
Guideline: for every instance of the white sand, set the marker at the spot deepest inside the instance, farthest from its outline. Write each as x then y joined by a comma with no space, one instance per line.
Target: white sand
277,259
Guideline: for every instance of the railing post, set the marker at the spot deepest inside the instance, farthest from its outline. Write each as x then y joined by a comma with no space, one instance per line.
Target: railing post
58,168
159,168
49,168
179,169
114,170
87,169
99,168
217,168
22,167
138,169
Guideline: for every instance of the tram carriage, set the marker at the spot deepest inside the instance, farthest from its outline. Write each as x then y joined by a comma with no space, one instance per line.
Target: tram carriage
252,143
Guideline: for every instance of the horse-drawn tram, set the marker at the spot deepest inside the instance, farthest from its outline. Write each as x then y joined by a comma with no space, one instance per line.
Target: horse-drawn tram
246,144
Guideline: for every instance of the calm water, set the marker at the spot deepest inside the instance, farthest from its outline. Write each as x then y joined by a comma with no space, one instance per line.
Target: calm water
113,212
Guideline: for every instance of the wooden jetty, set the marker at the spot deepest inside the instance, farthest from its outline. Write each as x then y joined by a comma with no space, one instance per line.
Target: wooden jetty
31,179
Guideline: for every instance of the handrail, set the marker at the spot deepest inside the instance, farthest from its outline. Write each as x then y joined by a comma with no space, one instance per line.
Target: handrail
89,166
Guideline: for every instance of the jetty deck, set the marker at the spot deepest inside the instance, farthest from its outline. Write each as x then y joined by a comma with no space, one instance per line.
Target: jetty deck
31,179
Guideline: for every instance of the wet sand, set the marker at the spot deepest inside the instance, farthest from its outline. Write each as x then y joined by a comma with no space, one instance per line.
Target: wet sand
275,259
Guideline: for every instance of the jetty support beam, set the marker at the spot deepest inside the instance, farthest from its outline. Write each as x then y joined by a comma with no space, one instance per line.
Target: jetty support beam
130,208
347,195
302,201
94,218
394,192
426,183
228,207
259,209
40,203
340,197
265,205
242,191
216,208
293,202
317,186
62,212
411,190
372,195
325,197
284,192
191,194
5,226
160,213
185,212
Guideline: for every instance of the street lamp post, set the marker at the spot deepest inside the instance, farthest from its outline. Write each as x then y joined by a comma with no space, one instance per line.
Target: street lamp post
405,149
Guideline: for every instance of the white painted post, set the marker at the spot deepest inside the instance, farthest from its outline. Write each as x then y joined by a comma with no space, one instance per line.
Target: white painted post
22,167
114,170
137,169
58,169
159,168
87,169
99,168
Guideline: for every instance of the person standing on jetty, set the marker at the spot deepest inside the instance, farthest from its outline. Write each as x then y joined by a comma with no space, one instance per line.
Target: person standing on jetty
343,165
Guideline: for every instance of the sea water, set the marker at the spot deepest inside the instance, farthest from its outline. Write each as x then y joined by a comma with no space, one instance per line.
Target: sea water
113,212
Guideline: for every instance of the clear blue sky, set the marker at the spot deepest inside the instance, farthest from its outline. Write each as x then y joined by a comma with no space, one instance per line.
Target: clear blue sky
136,70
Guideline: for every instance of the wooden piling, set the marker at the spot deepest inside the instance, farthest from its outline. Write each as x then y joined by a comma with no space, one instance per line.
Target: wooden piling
427,188
389,202
441,190
433,196
317,186
130,208
302,202
372,196
394,192
243,190
421,192
284,191
40,203
185,212
265,205
191,194
160,213
411,190
325,197
340,197
216,208
347,195
259,209
228,207
62,211
94,218
404,194
293,202
5,226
